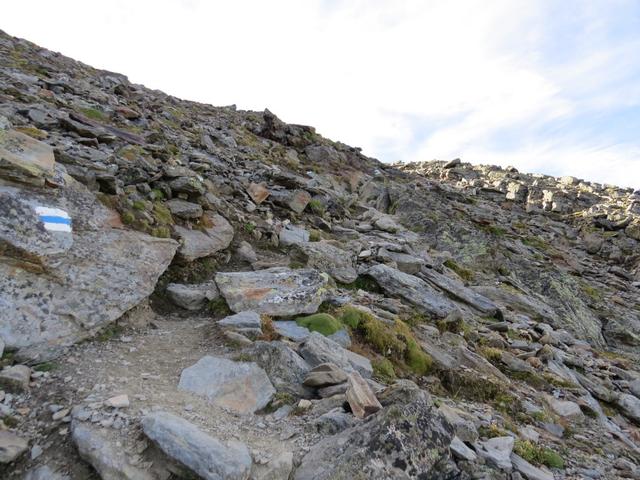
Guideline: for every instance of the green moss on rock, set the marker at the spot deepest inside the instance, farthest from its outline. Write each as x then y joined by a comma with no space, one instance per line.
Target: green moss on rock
320,322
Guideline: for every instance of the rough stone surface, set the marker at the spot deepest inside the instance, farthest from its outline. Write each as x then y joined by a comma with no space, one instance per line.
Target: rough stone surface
318,349
95,272
325,375
330,259
290,329
239,386
412,289
11,446
391,445
105,457
197,244
15,378
275,291
206,456
241,320
192,296
361,398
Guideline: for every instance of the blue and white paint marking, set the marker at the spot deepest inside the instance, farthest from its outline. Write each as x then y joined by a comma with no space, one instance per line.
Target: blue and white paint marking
54,219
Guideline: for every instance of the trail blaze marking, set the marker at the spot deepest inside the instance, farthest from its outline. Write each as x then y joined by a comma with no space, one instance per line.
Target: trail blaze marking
54,219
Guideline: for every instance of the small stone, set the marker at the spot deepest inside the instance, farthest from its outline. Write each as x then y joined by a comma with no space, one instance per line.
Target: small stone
60,414
304,404
119,401
258,192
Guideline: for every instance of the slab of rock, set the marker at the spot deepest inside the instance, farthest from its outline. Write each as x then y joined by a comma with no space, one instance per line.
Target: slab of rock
497,452
406,263
94,272
291,330
15,378
184,209
11,446
206,456
389,445
242,320
325,375
412,289
24,159
564,408
330,259
528,471
459,291
630,406
284,367
275,291
362,400
292,235
318,349
299,200
192,296
461,451
258,192
198,244
242,387
107,458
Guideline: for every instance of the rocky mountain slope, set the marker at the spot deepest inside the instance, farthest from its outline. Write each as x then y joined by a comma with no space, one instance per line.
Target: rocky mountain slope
191,291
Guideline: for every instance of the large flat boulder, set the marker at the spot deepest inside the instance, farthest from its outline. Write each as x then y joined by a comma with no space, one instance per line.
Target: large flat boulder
242,387
201,454
67,266
412,289
275,291
24,159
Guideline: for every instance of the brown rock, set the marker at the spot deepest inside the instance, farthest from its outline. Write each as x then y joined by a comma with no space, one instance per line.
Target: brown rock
258,192
362,400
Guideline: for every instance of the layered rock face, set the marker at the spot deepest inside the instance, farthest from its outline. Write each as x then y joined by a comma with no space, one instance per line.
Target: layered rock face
189,291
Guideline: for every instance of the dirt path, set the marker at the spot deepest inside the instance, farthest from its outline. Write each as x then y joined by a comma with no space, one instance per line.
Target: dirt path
146,366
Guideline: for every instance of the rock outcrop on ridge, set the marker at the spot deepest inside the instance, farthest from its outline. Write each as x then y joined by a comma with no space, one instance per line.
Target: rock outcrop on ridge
189,291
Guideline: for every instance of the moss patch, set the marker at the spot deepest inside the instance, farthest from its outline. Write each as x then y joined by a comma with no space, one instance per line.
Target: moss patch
462,272
320,322
383,370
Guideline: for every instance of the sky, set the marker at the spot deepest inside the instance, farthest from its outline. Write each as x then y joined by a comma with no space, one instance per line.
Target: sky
546,86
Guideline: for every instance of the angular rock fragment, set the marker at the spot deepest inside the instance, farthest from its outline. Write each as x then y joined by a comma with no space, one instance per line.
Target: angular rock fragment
11,446
325,375
206,456
274,291
362,400
242,387
15,378
192,296
197,244
107,458
318,349
413,289
241,320
330,259
497,452
258,192
24,159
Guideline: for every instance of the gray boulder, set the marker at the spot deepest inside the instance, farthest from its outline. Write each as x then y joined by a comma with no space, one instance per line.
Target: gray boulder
11,446
497,452
184,209
241,320
412,289
528,471
318,349
292,235
285,368
274,291
44,473
242,387
94,272
330,259
15,378
107,458
393,444
197,244
192,296
290,329
206,456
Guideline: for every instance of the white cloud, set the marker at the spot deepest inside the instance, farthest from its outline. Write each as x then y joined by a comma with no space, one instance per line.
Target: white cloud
409,80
